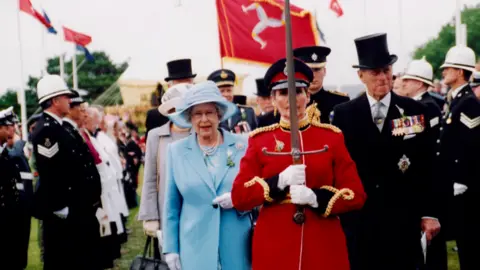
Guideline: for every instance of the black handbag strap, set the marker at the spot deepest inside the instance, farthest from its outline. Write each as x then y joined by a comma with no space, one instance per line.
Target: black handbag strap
148,249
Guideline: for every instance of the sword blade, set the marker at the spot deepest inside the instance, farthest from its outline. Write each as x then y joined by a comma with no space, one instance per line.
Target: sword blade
292,92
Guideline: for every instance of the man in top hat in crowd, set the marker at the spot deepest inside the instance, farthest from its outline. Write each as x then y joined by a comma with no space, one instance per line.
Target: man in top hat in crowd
179,71
12,251
388,138
475,84
68,196
416,81
268,114
316,58
458,152
244,120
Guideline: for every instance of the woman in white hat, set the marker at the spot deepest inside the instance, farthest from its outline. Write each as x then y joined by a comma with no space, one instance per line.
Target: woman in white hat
154,171
201,228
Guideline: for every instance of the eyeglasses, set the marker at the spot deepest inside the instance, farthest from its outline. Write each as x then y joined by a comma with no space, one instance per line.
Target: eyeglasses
199,115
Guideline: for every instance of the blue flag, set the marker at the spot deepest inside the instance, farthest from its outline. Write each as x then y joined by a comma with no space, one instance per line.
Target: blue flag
50,27
88,55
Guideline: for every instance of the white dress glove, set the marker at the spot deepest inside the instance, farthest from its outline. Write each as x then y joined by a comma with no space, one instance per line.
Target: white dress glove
292,175
459,189
224,200
303,195
151,227
173,261
62,213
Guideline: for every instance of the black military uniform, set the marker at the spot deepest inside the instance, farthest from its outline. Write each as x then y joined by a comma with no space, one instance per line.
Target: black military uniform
268,118
315,57
394,170
457,153
12,250
244,120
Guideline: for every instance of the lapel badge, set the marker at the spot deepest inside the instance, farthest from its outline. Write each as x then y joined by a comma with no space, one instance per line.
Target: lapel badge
403,164
47,142
279,145
239,146
314,57
223,75
449,120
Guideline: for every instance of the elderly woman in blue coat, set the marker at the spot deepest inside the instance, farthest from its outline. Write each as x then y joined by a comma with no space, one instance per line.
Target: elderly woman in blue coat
201,228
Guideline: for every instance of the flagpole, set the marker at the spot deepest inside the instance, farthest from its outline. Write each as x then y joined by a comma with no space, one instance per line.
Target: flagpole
74,67
21,91
458,22
62,66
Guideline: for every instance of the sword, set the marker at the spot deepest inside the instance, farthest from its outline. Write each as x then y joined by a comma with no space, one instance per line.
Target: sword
299,216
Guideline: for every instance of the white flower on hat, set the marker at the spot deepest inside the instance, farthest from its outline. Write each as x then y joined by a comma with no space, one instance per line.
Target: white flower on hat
173,97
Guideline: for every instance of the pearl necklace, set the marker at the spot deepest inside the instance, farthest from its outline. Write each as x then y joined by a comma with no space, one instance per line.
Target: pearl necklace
211,150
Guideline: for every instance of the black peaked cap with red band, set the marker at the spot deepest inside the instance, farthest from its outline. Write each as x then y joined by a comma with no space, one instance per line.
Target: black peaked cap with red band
276,77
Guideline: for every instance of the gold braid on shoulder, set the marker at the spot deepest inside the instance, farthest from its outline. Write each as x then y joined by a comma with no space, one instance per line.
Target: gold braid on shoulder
264,129
313,113
344,193
326,126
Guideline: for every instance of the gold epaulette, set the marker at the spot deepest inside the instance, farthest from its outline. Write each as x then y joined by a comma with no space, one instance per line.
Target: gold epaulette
264,129
313,113
338,93
326,126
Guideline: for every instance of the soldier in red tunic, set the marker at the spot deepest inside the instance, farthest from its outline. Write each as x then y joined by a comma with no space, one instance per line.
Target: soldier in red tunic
325,185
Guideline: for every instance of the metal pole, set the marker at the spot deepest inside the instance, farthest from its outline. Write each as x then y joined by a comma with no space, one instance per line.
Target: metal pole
78,67
21,91
62,66
458,23
74,67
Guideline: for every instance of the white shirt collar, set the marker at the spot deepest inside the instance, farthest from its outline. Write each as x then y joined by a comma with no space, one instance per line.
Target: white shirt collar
68,120
385,100
419,96
2,147
58,119
455,92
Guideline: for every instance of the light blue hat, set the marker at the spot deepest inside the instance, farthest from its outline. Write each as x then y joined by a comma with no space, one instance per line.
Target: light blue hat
204,92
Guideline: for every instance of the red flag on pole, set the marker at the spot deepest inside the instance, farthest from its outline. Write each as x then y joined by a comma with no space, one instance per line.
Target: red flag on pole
335,6
76,37
254,30
26,6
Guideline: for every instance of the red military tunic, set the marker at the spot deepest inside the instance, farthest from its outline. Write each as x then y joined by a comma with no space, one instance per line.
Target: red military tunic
279,243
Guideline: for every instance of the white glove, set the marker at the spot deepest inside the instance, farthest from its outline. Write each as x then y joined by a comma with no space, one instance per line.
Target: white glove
101,215
459,189
303,195
173,261
293,175
62,213
224,200
151,227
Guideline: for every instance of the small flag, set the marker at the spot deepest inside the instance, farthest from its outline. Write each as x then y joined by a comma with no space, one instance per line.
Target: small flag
26,6
50,29
88,55
76,37
335,7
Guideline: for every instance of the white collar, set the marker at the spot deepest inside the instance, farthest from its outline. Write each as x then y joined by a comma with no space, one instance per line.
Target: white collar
54,116
68,120
2,147
385,100
456,90
419,95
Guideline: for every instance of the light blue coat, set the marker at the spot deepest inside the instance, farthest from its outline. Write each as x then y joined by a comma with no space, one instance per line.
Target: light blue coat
191,226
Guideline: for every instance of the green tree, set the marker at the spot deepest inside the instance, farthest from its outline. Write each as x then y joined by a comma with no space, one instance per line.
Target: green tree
436,49
95,77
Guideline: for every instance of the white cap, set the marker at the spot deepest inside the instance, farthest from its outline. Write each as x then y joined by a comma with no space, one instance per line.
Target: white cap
420,70
51,86
173,97
461,57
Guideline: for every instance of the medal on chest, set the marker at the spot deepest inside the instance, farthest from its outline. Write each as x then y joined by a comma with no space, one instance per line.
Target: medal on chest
404,163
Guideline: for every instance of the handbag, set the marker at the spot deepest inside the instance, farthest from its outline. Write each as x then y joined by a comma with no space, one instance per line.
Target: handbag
142,262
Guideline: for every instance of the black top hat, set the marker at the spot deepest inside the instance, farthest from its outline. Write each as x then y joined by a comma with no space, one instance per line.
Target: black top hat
313,56
372,51
276,75
262,90
179,69
222,77
240,99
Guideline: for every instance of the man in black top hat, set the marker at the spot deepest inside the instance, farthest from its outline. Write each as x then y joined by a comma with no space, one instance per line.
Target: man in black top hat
388,137
244,120
179,71
316,58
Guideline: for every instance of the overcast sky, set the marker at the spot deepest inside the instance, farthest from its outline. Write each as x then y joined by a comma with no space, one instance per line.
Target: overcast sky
152,32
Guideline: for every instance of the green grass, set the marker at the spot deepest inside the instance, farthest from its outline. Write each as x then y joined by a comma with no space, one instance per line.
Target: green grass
136,242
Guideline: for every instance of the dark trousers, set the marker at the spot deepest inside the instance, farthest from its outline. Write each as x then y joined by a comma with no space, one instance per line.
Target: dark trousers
437,254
